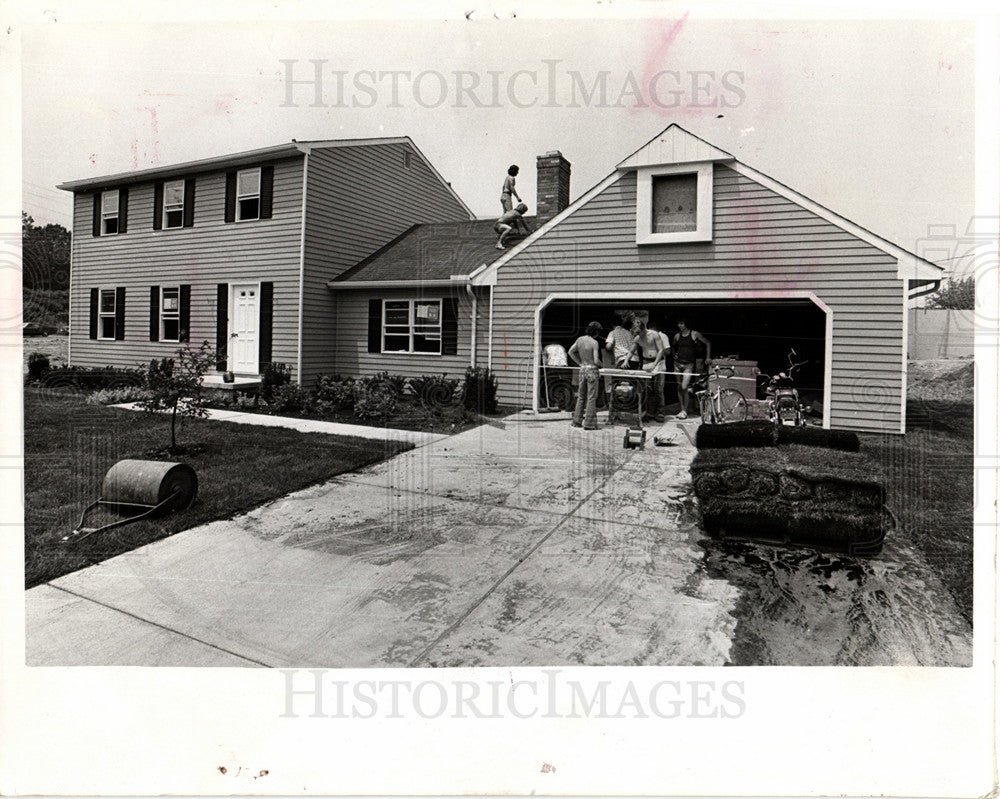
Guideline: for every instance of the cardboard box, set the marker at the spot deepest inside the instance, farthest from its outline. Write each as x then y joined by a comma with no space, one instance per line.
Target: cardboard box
730,373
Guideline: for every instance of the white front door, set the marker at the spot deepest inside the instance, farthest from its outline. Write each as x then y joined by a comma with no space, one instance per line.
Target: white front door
243,347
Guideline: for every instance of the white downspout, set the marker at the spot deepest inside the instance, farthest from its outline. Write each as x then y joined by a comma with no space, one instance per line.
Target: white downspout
489,336
475,306
302,269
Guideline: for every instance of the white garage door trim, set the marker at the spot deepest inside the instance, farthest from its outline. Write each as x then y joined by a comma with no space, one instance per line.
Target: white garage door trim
642,296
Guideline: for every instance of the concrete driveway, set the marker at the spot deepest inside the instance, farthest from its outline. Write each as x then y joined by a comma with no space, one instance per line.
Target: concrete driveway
534,544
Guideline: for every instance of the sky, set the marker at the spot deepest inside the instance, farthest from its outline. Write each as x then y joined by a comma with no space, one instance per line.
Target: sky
872,118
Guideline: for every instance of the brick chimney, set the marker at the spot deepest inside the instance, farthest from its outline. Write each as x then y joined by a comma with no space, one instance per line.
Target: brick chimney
552,186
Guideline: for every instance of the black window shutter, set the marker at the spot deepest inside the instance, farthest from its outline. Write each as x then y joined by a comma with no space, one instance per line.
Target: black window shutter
449,326
184,313
230,196
122,210
266,321
97,214
158,206
154,313
94,293
120,313
189,203
221,324
374,325
266,191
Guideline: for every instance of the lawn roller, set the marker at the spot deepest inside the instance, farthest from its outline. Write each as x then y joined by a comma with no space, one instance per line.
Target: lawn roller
147,486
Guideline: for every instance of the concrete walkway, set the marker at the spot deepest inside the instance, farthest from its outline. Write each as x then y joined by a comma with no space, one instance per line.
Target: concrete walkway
536,544
415,437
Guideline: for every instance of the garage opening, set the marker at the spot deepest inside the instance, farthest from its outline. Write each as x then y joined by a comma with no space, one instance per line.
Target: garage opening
761,330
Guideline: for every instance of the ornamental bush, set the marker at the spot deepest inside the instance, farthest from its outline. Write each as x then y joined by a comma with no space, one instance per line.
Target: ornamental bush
38,365
334,393
375,398
479,391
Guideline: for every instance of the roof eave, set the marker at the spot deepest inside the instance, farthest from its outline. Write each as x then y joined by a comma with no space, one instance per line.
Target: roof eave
186,168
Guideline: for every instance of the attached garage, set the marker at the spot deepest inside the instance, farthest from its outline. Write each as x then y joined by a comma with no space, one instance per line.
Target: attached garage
759,329
683,228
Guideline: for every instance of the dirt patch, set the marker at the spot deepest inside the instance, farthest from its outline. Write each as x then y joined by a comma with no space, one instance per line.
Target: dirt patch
952,380
56,348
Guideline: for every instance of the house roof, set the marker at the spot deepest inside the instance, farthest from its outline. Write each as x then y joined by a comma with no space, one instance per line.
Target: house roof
433,252
247,157
676,145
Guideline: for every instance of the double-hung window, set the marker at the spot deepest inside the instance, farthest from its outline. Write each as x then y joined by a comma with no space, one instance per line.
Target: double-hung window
170,314
411,326
106,314
109,212
248,194
173,204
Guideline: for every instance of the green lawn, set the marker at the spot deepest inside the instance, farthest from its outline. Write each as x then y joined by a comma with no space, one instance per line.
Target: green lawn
69,446
930,488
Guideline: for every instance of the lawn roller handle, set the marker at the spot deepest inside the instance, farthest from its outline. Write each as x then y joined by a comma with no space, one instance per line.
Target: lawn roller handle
152,486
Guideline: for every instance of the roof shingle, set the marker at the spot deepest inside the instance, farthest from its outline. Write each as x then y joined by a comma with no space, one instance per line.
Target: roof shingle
433,251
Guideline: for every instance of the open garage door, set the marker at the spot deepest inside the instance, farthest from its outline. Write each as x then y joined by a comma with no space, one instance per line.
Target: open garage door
761,330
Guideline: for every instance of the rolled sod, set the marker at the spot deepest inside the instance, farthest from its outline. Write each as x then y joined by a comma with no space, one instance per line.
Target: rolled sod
762,433
793,493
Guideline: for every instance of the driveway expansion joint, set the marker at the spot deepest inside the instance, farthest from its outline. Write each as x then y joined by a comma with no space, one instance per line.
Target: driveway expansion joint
520,561
159,626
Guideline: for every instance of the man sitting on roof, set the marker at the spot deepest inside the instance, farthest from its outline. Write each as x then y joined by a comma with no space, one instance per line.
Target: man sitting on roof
505,224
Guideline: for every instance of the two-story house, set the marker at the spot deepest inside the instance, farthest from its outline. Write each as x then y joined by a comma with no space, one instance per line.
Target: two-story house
356,258
237,250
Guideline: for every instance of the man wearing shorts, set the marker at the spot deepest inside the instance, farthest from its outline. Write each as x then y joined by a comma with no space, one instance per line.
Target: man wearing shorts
686,345
505,224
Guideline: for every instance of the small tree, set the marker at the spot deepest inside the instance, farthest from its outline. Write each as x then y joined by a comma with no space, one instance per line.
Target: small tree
958,295
175,385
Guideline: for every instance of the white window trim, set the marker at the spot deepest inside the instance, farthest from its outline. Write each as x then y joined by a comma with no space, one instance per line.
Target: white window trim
167,207
412,324
102,314
644,204
106,215
239,217
164,314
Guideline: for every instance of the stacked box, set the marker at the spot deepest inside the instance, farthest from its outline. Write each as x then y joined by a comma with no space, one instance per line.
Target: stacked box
730,373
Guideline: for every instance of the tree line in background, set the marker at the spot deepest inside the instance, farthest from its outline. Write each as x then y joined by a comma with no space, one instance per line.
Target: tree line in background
956,295
45,273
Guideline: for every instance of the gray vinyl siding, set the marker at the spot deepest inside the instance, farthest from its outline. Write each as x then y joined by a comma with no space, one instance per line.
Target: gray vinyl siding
202,256
761,241
353,358
358,199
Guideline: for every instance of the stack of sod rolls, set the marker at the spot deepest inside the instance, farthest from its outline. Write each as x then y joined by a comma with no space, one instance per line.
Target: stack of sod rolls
795,485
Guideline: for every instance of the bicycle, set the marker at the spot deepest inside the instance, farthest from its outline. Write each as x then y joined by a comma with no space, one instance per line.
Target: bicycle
723,404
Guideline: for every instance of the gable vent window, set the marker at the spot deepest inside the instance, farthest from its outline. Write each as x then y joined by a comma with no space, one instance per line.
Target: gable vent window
673,204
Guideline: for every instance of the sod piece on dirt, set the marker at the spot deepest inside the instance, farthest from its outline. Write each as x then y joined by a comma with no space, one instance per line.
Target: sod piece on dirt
793,493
